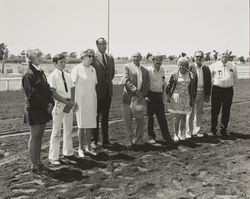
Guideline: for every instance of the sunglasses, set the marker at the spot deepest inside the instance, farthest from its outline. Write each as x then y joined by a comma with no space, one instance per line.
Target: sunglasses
90,56
198,56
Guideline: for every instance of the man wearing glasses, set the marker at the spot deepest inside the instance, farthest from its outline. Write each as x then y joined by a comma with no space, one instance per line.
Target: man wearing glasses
203,75
105,71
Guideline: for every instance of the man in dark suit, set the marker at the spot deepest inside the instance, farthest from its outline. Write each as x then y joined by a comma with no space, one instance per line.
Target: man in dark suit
105,71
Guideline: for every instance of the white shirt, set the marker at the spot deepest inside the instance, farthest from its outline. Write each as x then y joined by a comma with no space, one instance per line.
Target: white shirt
56,81
157,79
139,76
223,76
200,83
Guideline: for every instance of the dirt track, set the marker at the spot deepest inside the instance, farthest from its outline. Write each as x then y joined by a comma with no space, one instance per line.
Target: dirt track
201,168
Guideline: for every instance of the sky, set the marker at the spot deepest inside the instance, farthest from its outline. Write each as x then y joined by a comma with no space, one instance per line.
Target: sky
157,26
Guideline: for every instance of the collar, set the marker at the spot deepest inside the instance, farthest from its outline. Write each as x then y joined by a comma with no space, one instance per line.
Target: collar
196,66
60,71
137,66
36,67
98,52
160,69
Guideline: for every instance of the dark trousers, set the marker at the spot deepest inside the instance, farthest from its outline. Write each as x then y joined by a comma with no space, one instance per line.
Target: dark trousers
156,106
221,98
103,106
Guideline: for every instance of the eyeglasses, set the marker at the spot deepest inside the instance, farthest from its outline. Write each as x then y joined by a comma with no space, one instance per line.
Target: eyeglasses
198,56
90,56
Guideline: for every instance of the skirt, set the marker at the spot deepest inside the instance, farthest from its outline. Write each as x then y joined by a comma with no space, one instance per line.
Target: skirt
37,117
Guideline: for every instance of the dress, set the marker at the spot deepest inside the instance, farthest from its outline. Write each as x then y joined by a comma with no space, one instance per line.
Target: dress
37,96
85,82
180,100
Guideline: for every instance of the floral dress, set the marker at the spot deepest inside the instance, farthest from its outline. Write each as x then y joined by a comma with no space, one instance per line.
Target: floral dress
180,100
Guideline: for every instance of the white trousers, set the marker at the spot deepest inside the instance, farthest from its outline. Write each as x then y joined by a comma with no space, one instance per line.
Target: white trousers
194,119
59,118
137,137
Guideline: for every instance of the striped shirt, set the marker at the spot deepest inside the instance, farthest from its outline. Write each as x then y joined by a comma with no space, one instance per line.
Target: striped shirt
223,75
157,79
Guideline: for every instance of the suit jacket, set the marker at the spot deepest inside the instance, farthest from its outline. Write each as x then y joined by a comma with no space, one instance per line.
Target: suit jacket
207,82
104,76
37,90
192,86
130,82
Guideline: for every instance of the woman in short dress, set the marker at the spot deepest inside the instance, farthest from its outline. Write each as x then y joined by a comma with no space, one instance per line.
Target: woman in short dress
84,78
181,94
38,107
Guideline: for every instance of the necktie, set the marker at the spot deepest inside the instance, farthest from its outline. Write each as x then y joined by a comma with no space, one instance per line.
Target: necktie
104,61
65,84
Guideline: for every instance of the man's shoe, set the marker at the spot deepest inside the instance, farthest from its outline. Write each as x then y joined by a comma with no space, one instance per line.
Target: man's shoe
151,140
80,153
90,151
55,162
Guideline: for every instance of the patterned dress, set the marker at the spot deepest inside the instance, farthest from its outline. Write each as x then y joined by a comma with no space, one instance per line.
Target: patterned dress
180,100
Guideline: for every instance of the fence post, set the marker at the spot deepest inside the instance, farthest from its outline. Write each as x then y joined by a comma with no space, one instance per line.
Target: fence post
7,84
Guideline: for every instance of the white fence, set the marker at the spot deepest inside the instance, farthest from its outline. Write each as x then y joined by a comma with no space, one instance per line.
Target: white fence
9,83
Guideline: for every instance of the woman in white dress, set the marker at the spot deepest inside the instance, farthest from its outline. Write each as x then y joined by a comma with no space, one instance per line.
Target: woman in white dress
84,78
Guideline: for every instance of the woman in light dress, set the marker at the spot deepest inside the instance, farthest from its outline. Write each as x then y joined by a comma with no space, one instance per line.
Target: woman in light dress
84,78
181,94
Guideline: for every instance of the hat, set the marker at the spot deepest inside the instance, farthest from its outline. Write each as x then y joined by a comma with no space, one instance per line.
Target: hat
226,52
156,55
138,107
136,54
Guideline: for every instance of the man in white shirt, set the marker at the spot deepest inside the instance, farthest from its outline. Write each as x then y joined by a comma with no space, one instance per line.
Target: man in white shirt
61,85
155,104
224,75
202,75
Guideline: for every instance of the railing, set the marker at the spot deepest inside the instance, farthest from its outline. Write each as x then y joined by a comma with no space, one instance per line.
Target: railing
9,83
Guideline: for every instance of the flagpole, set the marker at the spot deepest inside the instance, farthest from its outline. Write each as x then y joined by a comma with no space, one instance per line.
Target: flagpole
108,23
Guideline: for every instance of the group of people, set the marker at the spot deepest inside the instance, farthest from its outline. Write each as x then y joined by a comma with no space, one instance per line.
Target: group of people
88,91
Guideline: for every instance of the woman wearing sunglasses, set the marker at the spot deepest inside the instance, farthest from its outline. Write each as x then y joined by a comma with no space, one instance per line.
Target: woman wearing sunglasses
84,78
181,93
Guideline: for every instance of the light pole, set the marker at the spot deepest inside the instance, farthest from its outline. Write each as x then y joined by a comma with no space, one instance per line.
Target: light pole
108,22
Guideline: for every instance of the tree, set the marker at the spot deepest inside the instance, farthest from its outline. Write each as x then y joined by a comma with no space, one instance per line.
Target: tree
215,55
3,54
207,56
242,59
48,56
171,58
148,55
73,55
65,53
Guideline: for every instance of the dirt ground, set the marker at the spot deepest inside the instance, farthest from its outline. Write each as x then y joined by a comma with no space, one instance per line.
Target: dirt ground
199,168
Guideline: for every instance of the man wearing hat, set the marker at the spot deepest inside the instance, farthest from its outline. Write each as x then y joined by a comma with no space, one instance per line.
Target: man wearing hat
105,71
136,85
61,84
224,75
155,104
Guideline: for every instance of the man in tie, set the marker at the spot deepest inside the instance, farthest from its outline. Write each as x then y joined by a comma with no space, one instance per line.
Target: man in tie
61,85
224,75
105,71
